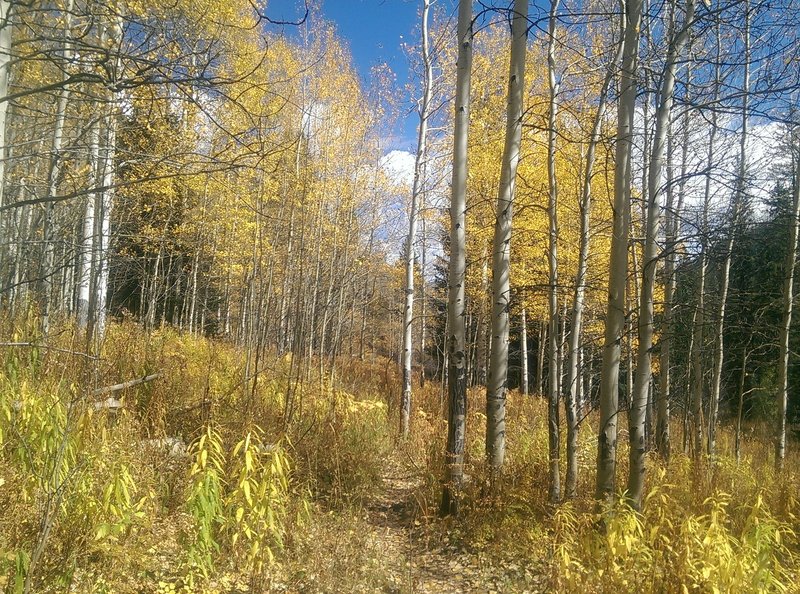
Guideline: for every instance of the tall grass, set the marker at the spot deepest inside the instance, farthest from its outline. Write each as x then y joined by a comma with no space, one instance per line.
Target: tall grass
706,526
95,501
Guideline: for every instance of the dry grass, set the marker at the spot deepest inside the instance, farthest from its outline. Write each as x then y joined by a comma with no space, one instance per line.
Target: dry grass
704,526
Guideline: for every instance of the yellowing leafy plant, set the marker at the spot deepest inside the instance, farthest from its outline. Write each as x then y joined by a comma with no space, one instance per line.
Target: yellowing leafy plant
239,501
258,503
205,501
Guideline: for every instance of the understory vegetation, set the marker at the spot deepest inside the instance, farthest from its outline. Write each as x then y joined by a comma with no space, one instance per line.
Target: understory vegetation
194,482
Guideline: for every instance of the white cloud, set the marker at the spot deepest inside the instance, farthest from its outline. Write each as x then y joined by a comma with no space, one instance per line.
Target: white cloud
399,166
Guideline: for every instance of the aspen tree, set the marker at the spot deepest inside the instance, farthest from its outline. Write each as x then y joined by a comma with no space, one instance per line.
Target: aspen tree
5,66
416,194
662,430
553,351
53,177
524,341
636,415
88,251
736,210
501,246
618,263
698,320
456,343
573,389
787,305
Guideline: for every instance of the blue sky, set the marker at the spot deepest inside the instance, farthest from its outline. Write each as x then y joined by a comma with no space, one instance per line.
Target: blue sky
374,30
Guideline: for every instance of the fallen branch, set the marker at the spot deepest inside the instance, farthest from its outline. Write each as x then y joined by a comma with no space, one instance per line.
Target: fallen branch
49,348
124,385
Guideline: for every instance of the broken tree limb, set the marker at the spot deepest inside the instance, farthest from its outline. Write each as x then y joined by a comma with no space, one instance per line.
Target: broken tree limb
124,385
48,348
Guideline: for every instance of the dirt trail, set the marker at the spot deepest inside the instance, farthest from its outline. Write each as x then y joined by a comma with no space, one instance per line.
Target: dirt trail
414,564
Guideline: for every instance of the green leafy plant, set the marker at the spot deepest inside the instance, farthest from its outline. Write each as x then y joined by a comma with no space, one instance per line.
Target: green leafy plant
205,501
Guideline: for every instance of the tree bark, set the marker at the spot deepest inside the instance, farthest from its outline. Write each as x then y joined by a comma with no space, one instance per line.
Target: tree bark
740,408
416,193
738,203
541,348
89,239
524,346
638,405
5,66
457,380
501,248
788,306
618,265
53,178
554,493
572,401
700,314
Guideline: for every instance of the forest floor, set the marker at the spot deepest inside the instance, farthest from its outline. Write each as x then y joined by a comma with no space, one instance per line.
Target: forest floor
424,560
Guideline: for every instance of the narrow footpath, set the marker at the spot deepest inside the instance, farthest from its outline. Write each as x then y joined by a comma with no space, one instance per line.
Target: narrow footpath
416,564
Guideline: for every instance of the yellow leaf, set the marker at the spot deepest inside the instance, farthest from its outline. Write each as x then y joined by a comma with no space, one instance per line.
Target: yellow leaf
246,489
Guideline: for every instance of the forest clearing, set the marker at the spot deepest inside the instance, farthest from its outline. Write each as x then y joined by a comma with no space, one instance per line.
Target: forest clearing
399,296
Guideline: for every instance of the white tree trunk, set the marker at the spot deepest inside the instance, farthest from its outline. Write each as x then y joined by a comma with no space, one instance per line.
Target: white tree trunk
641,385
552,260
456,343
618,264
52,181
788,304
107,197
501,246
524,344
416,193
662,403
88,253
572,402
700,314
5,66
738,203
540,352
674,214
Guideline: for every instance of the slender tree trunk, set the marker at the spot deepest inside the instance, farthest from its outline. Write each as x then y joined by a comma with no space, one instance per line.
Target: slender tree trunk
53,178
457,386
572,401
662,434
618,265
638,405
524,345
700,314
423,297
89,238
5,67
697,359
663,410
541,348
416,192
501,247
738,203
107,205
788,306
483,330
740,408
552,260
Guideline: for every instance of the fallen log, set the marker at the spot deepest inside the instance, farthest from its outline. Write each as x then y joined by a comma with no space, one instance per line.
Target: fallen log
124,385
